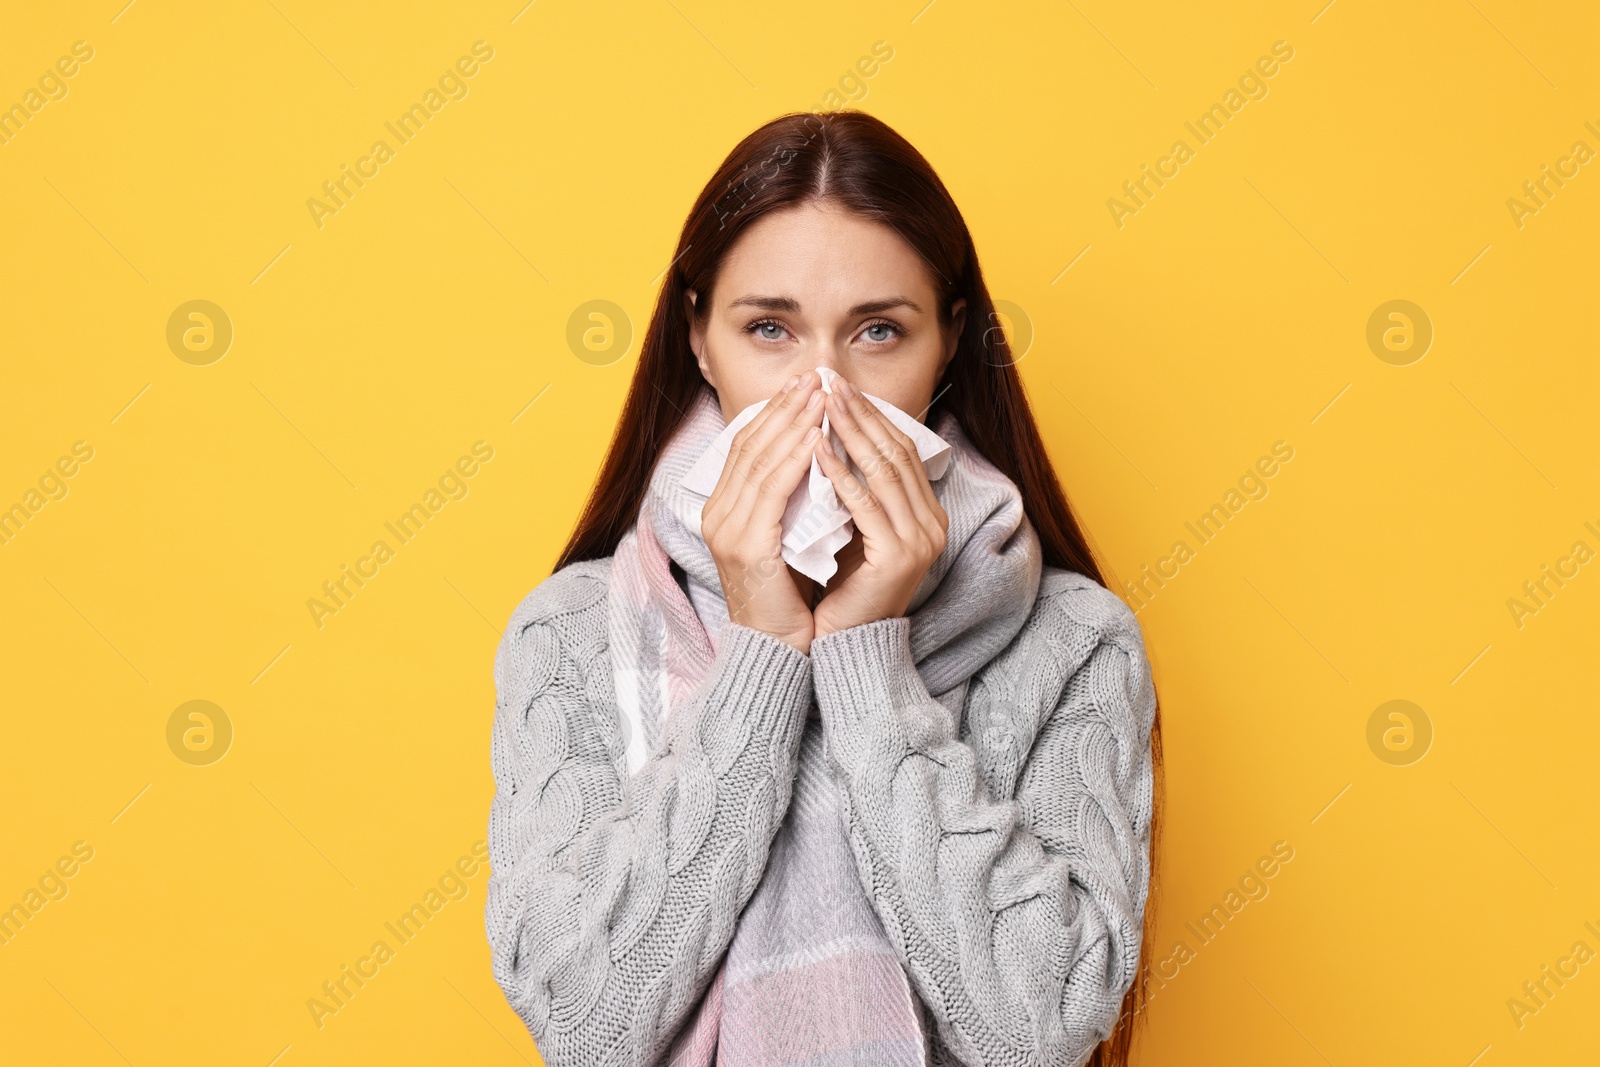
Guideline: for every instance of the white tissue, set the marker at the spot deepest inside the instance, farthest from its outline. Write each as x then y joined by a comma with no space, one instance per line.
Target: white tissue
815,524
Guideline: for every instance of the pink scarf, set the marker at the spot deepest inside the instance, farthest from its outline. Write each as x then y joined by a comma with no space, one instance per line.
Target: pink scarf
809,977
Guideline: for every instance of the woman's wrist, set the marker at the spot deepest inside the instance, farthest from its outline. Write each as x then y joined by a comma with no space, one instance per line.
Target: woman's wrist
801,643
825,623
798,638
865,674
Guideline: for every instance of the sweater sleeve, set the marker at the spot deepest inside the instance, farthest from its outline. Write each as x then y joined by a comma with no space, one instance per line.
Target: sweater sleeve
612,898
1010,869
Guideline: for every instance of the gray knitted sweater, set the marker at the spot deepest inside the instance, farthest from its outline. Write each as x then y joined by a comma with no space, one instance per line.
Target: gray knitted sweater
1001,826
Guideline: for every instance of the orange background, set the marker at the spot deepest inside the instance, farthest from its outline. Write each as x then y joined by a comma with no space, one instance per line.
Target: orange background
1439,860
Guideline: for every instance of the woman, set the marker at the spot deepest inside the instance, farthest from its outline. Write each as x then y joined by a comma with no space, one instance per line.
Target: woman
903,818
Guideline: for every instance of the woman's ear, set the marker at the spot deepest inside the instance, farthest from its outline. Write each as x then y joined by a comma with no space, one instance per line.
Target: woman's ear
697,337
958,323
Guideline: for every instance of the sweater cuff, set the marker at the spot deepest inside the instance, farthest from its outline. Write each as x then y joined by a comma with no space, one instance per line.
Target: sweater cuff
866,669
763,673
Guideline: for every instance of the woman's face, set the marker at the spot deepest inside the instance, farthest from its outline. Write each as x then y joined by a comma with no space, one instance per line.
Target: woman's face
816,286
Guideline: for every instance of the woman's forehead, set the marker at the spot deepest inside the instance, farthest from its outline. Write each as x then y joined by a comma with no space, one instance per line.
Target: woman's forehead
826,260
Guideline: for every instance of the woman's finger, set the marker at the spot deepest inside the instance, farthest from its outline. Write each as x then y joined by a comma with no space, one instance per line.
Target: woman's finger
876,458
774,476
865,509
720,498
923,500
751,441
754,482
752,436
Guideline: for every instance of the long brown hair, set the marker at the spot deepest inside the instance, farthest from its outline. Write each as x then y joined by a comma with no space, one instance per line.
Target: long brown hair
855,161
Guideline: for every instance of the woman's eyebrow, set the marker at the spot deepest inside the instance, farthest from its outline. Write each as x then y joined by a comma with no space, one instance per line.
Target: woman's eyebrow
790,304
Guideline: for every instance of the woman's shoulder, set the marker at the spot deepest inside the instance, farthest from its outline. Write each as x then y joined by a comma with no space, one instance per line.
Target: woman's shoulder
1077,625
1079,637
1074,602
571,590
558,630
1073,617
569,606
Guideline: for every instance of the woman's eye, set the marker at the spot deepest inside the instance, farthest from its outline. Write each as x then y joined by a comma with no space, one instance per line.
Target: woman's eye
880,332
766,330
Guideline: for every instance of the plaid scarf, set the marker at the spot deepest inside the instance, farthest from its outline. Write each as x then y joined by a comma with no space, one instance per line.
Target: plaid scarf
810,977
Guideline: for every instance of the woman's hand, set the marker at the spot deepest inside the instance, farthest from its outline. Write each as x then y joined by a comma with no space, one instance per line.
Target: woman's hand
741,521
901,523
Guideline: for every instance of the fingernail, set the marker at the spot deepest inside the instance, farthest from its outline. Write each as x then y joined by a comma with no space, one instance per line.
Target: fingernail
843,387
794,380
816,398
811,434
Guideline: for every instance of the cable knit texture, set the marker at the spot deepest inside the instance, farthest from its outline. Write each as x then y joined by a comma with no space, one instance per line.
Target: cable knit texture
991,771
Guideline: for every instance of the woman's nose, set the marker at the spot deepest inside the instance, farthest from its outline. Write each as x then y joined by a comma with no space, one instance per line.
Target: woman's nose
825,354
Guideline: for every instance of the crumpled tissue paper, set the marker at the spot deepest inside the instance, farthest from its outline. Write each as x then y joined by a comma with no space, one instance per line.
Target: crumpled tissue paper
815,524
